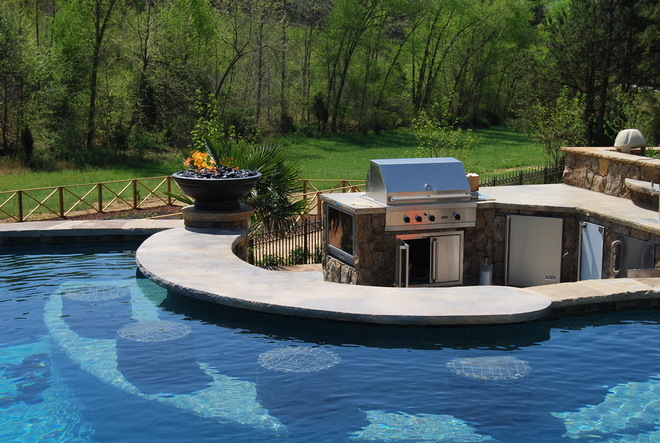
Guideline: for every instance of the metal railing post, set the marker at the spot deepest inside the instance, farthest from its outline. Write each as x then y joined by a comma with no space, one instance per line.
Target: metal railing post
305,242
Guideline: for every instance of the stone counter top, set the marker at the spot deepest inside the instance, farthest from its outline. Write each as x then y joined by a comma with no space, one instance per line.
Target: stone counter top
560,197
200,263
547,198
354,202
611,153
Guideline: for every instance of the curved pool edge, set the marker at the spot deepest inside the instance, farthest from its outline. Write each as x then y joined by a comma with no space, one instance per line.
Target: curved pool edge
199,263
592,296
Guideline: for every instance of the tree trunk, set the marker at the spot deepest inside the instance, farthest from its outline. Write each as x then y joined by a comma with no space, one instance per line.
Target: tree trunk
101,20
260,69
283,107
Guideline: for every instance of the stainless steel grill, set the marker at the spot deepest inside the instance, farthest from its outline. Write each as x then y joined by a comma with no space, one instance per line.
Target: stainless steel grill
422,193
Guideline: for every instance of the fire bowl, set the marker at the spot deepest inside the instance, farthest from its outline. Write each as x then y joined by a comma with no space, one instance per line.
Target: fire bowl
216,194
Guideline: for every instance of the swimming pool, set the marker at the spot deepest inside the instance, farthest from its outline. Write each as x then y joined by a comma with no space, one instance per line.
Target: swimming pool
92,352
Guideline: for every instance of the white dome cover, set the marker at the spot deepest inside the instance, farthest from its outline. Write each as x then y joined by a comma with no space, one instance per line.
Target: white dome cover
628,139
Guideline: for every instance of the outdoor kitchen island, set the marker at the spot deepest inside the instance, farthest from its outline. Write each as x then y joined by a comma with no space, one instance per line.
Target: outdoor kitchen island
200,263
373,260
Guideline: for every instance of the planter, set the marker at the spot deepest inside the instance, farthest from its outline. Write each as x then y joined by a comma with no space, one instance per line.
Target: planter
216,194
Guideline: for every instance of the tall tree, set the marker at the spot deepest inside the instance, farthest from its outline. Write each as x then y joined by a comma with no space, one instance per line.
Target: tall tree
101,11
443,28
594,50
144,22
12,70
347,25
305,20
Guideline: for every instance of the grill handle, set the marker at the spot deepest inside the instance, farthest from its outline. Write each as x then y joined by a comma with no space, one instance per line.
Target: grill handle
616,257
402,266
425,198
434,257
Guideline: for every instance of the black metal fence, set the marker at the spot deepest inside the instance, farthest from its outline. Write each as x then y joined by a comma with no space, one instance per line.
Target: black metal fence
541,175
303,244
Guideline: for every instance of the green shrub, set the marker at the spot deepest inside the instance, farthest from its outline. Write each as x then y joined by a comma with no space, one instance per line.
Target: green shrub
270,260
299,256
442,137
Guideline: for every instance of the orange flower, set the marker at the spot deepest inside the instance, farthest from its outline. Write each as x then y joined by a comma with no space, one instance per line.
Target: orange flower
200,160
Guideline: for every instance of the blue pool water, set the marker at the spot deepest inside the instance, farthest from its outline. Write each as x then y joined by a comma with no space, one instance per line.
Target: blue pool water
92,352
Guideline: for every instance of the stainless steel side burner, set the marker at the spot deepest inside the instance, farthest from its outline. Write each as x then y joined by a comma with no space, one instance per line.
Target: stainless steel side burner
422,193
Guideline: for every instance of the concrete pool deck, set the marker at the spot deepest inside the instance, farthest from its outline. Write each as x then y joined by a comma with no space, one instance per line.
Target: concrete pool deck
200,263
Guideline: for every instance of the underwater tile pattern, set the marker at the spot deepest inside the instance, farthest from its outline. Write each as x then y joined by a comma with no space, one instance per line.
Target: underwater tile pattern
35,404
295,359
226,398
490,368
93,292
627,409
153,331
401,426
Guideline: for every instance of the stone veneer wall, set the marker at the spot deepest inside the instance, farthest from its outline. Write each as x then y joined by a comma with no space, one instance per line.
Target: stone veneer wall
605,170
374,255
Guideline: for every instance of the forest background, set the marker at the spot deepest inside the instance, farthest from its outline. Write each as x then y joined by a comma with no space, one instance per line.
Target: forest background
101,82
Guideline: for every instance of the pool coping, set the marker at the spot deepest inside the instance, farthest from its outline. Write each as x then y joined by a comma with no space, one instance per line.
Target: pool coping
54,232
167,244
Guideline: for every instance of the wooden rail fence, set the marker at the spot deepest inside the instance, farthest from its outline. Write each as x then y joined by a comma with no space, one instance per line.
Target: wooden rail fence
62,201
67,200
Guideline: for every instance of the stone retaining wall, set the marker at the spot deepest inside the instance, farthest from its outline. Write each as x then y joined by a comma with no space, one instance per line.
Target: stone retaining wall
605,170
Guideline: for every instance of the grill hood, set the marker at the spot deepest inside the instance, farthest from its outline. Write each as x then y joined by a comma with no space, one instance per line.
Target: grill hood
417,180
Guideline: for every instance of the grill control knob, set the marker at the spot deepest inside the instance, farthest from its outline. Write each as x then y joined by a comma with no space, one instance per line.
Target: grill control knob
406,219
431,217
418,218
457,216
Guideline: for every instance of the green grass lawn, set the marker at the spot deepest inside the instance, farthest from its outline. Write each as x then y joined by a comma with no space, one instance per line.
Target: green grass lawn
502,150
341,157
347,156
10,181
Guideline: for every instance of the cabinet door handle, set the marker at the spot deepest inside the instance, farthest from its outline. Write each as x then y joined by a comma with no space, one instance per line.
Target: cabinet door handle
404,263
434,258
616,257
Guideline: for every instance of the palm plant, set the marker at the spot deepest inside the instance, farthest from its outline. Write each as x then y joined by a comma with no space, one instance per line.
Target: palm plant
275,207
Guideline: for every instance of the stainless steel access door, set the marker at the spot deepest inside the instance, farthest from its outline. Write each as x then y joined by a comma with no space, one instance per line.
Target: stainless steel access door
534,247
429,260
629,253
447,266
592,239
402,263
